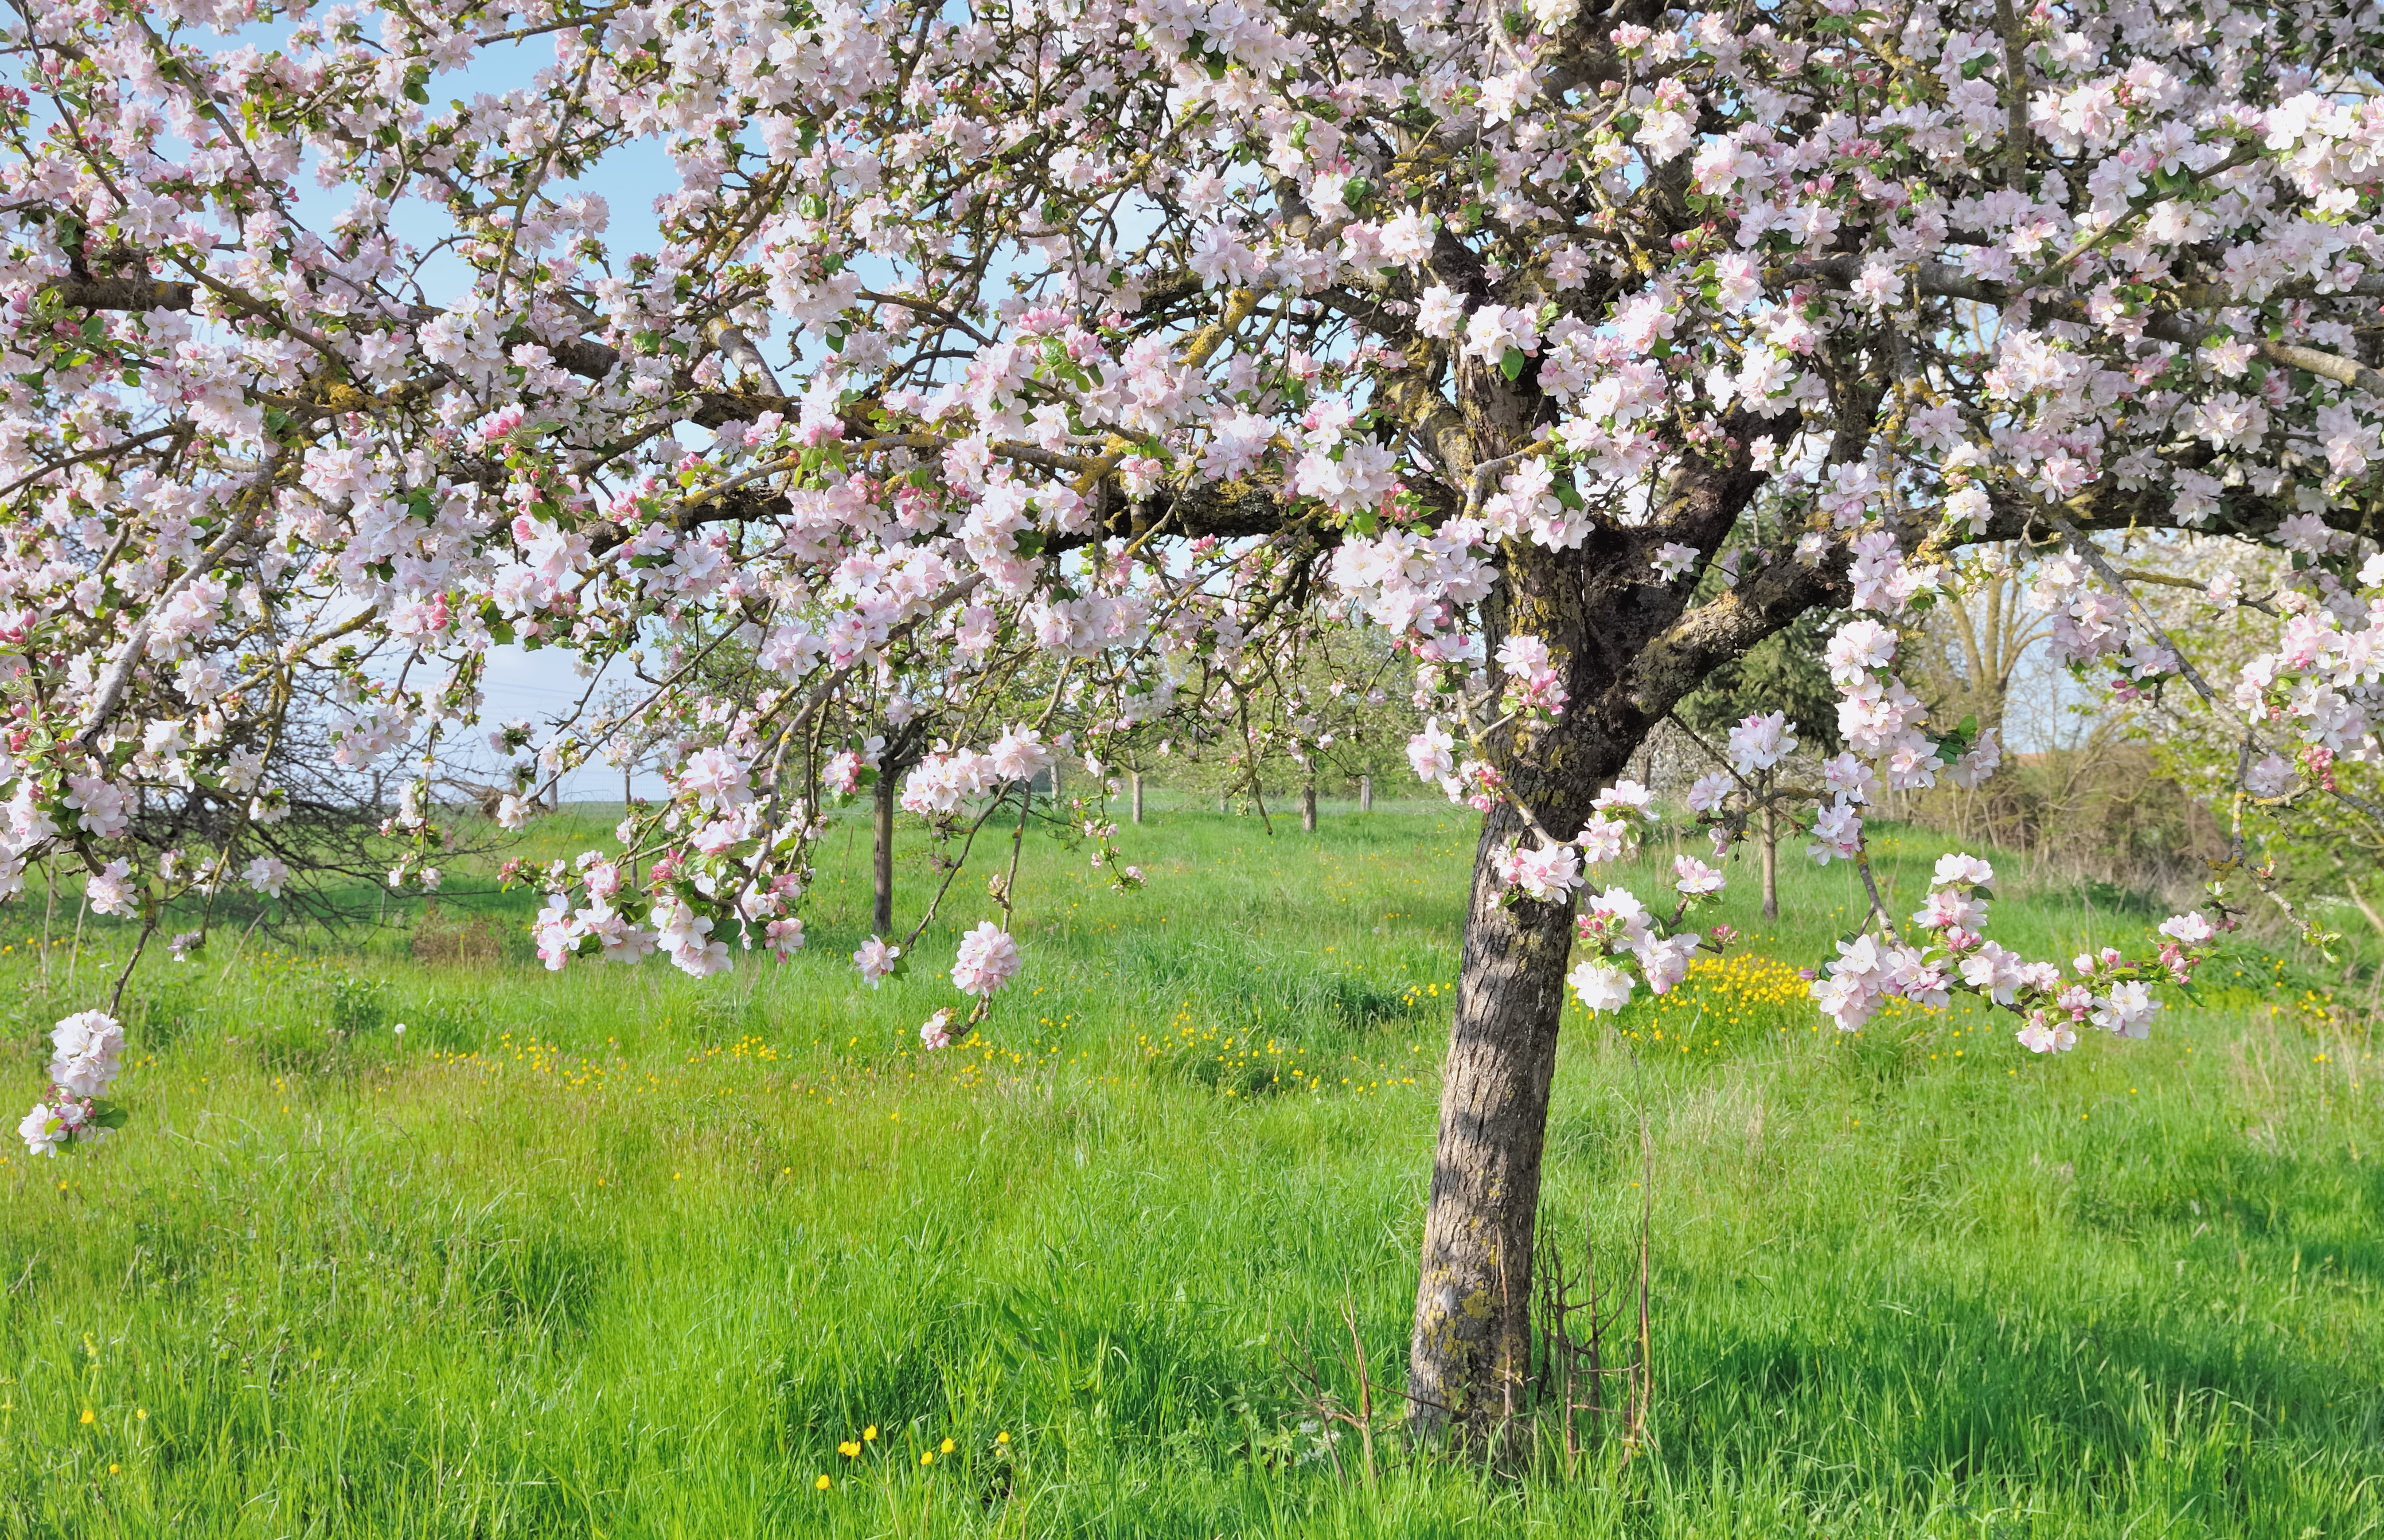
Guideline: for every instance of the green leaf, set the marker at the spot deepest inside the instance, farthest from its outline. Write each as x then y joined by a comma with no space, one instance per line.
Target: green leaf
1511,366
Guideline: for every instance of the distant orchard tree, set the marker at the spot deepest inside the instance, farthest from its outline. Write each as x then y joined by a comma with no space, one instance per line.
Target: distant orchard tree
1103,339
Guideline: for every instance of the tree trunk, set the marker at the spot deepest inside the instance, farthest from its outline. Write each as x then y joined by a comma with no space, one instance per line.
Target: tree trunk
1307,808
1224,800
881,920
1133,780
1472,1322
1365,793
1627,658
1770,858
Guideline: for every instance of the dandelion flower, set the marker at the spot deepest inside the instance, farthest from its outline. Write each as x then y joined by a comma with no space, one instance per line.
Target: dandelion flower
869,1434
947,1447
848,1448
822,1483
926,1456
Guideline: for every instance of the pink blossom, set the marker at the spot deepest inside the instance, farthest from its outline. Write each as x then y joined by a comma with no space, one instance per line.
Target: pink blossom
1694,878
875,960
988,960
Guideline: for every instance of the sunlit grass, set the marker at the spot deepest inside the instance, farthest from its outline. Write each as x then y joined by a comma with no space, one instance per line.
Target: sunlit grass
616,1253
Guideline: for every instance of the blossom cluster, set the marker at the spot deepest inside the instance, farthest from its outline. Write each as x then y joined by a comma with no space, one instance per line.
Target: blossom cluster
86,1056
1949,953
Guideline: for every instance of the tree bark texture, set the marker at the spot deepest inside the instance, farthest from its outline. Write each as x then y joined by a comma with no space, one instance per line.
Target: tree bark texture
1133,780
1307,808
1365,793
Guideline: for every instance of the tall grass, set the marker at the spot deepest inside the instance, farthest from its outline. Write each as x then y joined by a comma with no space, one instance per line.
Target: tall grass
616,1253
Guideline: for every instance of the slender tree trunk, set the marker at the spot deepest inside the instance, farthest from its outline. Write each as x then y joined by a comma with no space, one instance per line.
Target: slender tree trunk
1224,800
1308,807
882,852
1770,858
1365,793
628,805
1133,780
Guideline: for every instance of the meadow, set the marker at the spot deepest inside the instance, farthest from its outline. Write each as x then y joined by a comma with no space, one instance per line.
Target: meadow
615,1252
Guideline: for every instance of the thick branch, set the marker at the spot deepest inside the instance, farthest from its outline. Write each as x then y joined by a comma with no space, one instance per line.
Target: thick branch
1726,625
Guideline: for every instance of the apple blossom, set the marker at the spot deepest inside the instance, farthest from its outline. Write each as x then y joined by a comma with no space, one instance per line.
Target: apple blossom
1600,987
988,960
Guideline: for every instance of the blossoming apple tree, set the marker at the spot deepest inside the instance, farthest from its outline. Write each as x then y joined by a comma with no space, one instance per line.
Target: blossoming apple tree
978,337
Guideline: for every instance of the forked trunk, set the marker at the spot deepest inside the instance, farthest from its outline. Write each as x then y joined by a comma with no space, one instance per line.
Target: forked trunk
1612,629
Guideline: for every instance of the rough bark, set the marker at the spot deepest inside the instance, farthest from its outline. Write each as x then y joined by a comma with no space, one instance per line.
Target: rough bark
1365,793
1308,807
1473,1295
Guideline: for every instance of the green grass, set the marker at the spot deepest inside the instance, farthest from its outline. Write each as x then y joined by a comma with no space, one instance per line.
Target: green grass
615,1252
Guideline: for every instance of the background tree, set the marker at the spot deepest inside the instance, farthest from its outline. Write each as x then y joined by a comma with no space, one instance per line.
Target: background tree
1783,673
